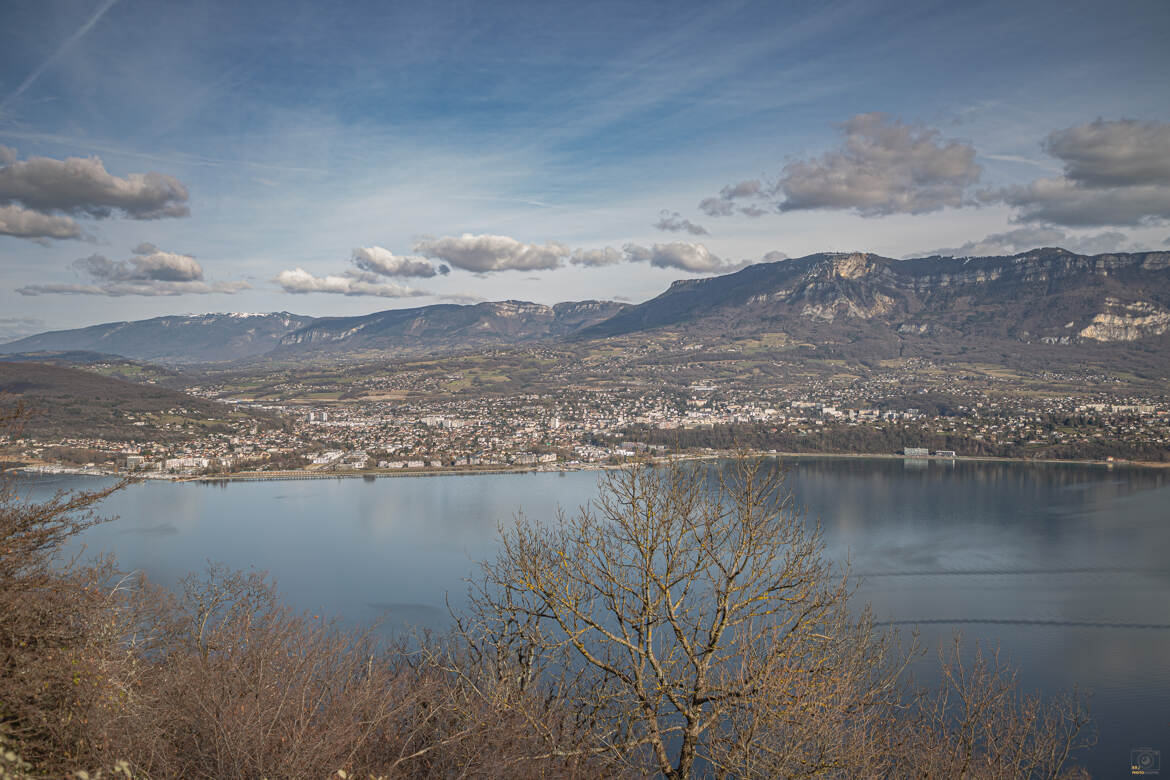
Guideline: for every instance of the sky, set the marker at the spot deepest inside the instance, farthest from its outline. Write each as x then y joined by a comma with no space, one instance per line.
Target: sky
342,158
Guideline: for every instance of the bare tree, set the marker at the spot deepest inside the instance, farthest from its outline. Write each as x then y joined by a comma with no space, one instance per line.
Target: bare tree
690,617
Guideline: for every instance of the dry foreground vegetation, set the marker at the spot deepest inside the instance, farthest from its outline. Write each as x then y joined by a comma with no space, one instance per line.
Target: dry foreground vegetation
685,625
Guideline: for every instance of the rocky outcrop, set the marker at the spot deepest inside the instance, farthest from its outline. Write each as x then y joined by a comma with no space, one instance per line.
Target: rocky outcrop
1127,322
1027,297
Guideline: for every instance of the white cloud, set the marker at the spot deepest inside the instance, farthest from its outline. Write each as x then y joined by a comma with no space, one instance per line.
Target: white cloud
383,262
484,253
683,255
597,257
299,281
372,265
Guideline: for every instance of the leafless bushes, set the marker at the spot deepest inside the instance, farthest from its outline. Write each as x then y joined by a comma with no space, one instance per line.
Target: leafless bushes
221,680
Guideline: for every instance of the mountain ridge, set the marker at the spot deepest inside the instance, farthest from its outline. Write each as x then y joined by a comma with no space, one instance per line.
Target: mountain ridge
1046,294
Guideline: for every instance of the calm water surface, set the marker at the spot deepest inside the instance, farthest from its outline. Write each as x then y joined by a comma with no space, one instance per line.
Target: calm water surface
1066,568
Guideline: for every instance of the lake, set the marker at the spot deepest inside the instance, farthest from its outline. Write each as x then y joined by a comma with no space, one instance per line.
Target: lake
1066,567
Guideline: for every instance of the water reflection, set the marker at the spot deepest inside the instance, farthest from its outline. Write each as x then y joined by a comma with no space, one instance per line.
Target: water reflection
1066,568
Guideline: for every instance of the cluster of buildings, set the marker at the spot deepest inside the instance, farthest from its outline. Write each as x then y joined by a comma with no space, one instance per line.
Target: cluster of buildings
574,426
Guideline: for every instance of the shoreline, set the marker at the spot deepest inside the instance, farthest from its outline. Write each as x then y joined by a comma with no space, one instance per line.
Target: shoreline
301,474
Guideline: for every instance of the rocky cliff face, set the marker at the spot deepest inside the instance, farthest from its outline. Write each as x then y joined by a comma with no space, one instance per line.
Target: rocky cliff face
1046,294
1127,321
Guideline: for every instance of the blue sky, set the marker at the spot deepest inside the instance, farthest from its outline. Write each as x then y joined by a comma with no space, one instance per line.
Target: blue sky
338,158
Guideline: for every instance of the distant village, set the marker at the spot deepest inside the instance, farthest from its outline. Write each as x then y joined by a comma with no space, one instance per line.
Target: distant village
581,429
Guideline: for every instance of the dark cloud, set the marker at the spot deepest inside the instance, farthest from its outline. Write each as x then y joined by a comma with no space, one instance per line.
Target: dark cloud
7,155
597,257
883,167
1061,201
749,188
1101,243
716,207
149,289
1007,243
485,253
383,262
298,281
147,273
1033,237
1116,173
773,257
673,222
26,223
155,266
723,205
1119,153
81,186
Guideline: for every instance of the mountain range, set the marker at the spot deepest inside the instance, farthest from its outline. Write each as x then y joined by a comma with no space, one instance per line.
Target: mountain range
1043,296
